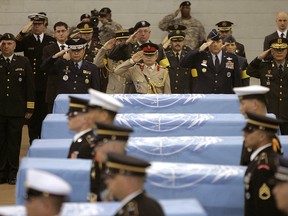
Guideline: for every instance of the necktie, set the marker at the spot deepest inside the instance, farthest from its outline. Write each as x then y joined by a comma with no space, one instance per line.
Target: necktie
62,47
38,39
217,63
76,66
177,56
282,35
280,69
8,62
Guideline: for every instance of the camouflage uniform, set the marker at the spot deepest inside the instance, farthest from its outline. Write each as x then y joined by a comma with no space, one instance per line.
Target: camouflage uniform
195,32
107,31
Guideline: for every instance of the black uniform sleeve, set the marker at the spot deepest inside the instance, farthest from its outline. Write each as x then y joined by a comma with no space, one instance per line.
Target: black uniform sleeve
30,94
120,52
189,59
252,69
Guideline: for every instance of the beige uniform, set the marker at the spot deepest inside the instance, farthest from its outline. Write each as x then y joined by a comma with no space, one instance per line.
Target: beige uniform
146,80
116,83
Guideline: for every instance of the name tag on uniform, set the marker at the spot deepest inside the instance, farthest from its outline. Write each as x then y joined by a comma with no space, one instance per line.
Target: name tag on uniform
19,69
31,48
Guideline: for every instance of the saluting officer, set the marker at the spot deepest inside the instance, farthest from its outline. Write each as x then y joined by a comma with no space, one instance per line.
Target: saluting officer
125,178
274,75
225,28
17,101
180,78
116,84
214,71
76,75
148,77
110,138
32,45
260,135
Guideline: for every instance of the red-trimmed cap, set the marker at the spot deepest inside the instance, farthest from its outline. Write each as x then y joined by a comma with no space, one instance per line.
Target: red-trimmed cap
149,48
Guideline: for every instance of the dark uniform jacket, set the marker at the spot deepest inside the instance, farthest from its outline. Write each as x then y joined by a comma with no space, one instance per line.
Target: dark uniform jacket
269,76
266,45
141,205
240,50
17,90
70,79
91,52
33,51
180,78
52,78
259,199
82,148
245,79
206,80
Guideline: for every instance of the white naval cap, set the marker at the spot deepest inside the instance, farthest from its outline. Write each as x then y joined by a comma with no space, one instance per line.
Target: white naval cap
104,101
47,183
251,92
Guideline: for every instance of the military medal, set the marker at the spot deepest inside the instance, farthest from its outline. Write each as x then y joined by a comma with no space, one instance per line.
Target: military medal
229,74
65,77
87,81
204,70
229,65
20,79
204,63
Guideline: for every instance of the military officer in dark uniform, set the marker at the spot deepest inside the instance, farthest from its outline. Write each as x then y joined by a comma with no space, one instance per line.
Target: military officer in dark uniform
230,46
101,108
61,34
252,99
32,45
91,49
274,75
75,76
225,28
260,135
180,78
121,171
77,121
17,101
214,71
110,138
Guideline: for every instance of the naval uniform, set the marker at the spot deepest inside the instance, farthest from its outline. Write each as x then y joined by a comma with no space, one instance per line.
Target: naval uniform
259,199
17,97
277,97
180,78
206,78
33,51
140,205
72,80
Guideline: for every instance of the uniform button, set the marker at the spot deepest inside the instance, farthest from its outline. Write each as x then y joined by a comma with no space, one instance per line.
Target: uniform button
34,63
185,72
34,72
74,88
177,74
176,81
177,68
216,74
34,59
76,76
75,81
44,73
280,92
7,95
216,81
8,72
280,86
281,80
34,68
8,80
175,87
280,99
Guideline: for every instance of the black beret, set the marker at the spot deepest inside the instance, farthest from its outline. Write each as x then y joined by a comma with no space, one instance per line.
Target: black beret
83,16
141,24
185,3
7,36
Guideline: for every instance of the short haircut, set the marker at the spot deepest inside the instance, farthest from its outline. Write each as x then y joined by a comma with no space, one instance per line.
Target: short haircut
60,24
